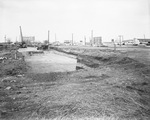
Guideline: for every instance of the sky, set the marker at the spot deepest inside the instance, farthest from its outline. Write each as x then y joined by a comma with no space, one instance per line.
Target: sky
107,18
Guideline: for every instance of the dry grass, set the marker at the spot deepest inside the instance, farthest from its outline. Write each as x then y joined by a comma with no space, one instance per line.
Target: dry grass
76,118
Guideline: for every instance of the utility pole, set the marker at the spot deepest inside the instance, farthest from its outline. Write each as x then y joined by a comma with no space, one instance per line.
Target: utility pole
16,39
144,36
120,37
72,38
5,38
92,42
84,40
48,36
55,37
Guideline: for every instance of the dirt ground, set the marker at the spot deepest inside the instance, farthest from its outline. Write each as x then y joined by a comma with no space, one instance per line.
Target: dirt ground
111,87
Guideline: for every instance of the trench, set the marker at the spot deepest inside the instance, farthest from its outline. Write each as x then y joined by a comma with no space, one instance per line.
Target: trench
49,61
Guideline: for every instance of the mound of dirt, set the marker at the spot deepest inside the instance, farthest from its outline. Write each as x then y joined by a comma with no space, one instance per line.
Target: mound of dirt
125,60
107,59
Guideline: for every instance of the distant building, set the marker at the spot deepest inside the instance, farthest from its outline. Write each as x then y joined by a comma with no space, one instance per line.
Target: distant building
56,43
29,39
108,43
96,41
81,43
67,42
130,41
88,44
144,41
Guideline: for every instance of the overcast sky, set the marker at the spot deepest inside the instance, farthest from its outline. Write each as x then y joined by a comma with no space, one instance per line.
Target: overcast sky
107,18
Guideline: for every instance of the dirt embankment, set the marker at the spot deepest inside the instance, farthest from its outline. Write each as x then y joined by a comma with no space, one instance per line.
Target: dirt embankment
114,87
12,65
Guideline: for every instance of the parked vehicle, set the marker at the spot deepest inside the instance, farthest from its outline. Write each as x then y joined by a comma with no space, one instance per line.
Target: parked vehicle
22,45
42,47
148,44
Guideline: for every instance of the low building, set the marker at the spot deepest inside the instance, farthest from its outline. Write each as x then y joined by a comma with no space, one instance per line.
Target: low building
96,41
108,43
29,39
56,43
130,41
67,42
143,41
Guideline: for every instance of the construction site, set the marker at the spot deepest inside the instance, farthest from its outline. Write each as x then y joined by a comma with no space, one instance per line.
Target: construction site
74,60
74,83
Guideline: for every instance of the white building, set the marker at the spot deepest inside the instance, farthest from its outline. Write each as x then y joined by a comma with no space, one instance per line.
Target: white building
29,39
96,41
130,41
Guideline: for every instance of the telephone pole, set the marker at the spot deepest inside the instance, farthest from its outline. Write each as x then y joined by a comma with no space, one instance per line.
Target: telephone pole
16,39
92,38
72,39
5,38
84,40
120,39
144,36
55,37
48,36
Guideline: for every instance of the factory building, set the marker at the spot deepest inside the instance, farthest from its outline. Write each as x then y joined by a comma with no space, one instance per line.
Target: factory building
28,39
96,41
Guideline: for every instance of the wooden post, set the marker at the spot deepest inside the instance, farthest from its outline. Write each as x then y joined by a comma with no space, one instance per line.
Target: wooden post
15,54
48,36
114,44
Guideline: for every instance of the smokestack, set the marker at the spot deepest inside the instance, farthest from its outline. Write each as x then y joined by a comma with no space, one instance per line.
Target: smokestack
48,36
21,36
